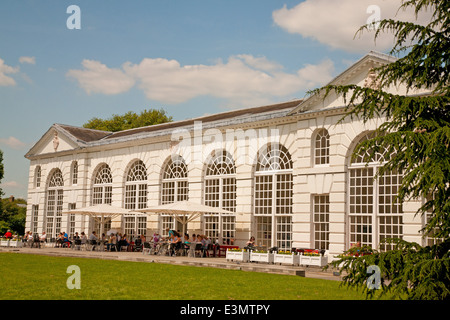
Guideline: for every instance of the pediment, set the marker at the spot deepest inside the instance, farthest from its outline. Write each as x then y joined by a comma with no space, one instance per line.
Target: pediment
360,73
53,141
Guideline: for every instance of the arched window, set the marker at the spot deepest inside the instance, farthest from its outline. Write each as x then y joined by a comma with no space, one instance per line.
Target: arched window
102,187
273,197
54,207
322,147
174,188
374,213
220,192
136,198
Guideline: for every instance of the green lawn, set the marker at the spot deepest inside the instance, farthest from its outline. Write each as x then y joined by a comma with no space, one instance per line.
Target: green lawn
25,276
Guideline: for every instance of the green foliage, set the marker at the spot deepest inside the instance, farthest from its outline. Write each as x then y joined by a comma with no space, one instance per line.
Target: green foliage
2,172
129,120
408,271
416,135
13,216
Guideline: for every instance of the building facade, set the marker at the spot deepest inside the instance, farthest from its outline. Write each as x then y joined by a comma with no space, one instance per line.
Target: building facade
286,171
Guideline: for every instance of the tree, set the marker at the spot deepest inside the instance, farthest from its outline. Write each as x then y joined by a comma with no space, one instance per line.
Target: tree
2,172
13,215
416,135
129,120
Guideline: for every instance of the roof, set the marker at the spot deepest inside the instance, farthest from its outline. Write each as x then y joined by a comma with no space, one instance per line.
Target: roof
208,118
84,134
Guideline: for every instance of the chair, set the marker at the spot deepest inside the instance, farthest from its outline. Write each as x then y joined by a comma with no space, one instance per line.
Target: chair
207,250
100,246
146,248
185,249
163,249
92,245
178,249
76,244
137,245
198,249
36,241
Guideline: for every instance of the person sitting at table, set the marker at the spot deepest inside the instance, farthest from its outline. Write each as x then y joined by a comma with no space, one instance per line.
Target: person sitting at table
25,238
175,242
156,238
93,240
43,237
251,242
59,240
170,233
8,234
83,238
205,243
123,242
112,242
30,236
76,241
66,241
186,242
194,238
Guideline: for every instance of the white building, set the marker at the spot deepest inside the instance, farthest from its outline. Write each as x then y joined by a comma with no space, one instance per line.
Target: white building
285,169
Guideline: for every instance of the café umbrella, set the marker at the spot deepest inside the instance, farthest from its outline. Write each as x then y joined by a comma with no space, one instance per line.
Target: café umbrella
185,211
100,212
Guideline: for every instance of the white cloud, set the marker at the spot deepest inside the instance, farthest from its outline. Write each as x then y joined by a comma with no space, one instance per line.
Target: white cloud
4,70
29,60
98,78
335,23
11,184
12,142
242,80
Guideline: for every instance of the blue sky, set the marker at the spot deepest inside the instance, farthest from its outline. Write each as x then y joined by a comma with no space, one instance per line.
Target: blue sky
188,57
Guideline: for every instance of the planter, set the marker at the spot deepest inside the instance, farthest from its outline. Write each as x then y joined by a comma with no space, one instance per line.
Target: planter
292,259
16,244
4,243
261,257
237,256
319,261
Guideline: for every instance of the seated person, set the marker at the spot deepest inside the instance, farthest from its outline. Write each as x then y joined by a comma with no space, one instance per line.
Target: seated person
251,242
112,242
83,238
123,242
156,238
186,241
8,234
60,240
205,242
66,240
43,237
76,239
93,239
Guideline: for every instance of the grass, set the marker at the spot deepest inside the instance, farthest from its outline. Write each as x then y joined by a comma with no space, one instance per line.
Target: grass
44,278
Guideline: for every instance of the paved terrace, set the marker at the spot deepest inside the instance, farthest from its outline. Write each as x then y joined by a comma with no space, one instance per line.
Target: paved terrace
212,262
